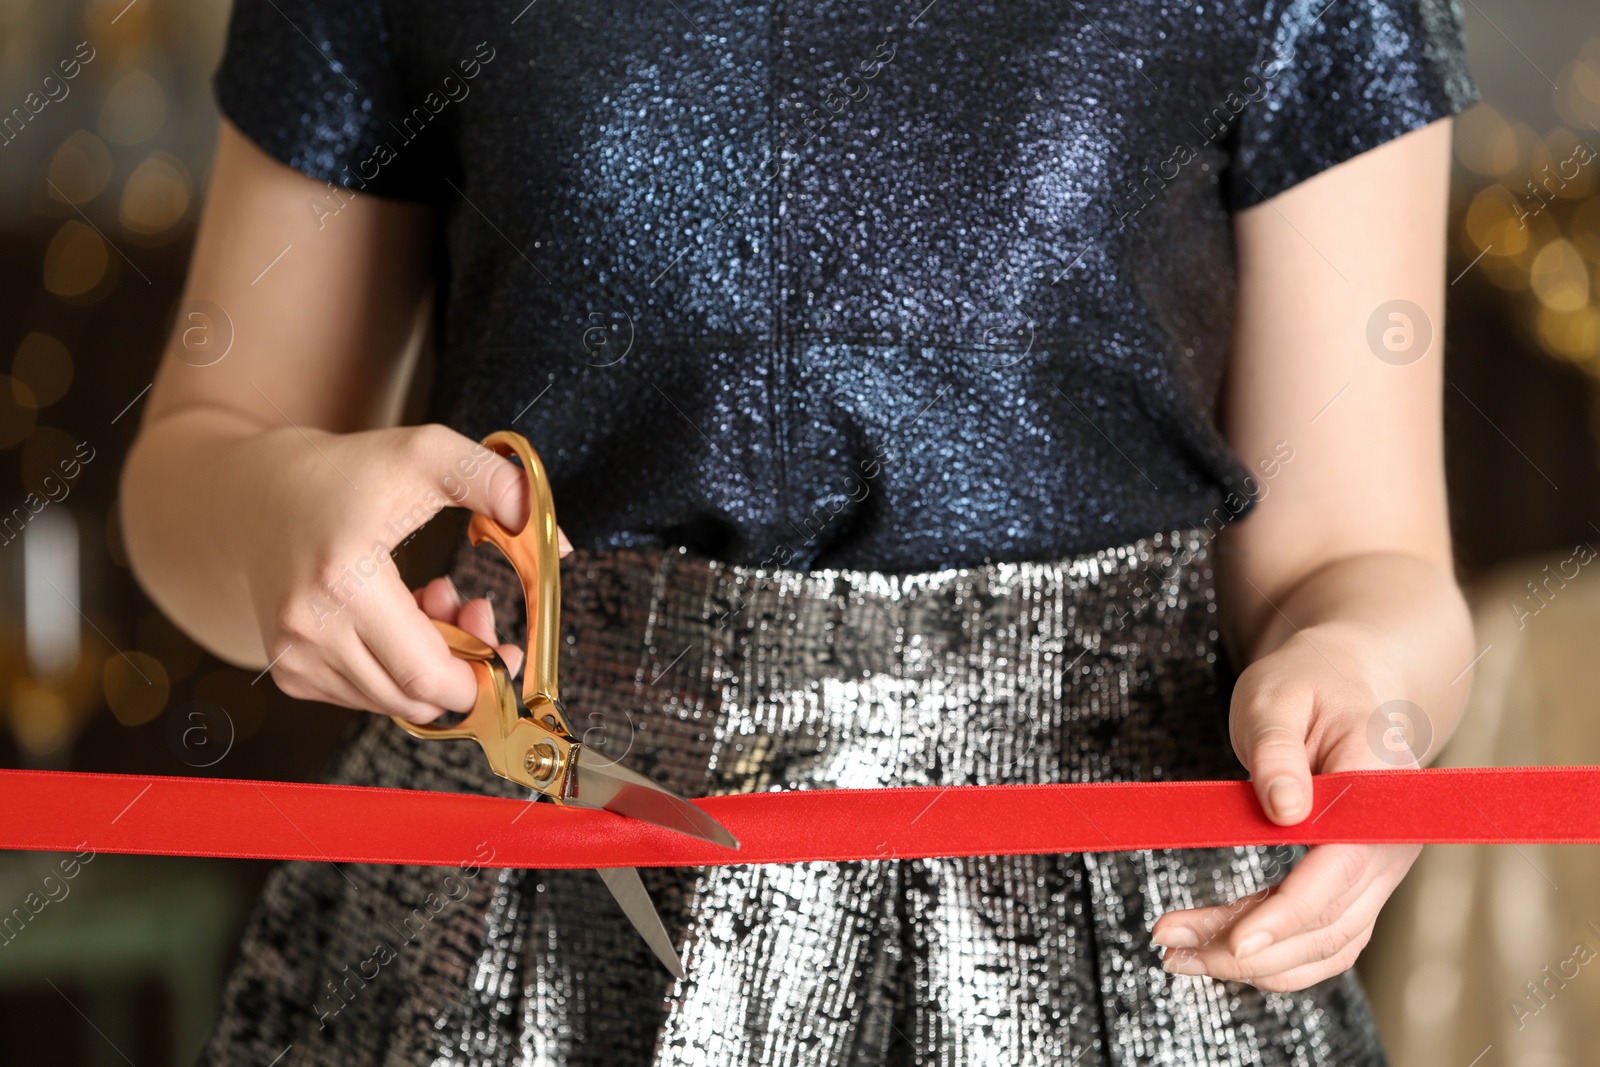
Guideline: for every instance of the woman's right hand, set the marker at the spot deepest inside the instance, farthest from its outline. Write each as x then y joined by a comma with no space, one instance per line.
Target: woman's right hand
310,519
270,480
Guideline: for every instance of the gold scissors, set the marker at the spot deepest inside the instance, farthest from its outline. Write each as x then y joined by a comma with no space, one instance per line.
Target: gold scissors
526,736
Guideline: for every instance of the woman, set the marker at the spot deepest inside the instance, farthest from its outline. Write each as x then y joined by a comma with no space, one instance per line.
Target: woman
934,394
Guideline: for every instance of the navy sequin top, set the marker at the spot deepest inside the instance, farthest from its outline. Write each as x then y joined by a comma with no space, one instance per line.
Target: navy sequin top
844,283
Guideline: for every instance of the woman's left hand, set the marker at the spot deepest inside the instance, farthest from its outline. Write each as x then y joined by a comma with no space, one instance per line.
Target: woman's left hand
1304,708
1338,589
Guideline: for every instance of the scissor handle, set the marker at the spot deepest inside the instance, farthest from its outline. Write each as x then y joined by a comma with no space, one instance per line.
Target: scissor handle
535,556
534,753
464,646
482,720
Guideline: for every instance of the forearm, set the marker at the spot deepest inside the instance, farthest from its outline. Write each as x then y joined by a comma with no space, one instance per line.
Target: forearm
1399,619
179,470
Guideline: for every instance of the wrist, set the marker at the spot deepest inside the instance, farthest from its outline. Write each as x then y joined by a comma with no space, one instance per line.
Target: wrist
243,478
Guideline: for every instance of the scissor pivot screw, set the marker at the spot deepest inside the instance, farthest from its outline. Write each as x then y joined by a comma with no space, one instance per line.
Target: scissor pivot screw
542,761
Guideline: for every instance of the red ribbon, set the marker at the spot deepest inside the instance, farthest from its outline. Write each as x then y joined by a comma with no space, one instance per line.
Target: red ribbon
66,811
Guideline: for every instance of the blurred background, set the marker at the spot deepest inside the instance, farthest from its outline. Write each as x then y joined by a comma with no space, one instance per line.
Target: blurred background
1482,959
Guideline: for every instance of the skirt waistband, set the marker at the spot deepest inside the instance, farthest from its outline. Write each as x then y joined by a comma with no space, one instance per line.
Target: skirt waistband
714,677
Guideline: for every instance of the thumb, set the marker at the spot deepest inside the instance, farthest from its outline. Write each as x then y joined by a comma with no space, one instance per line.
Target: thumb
473,477
1269,736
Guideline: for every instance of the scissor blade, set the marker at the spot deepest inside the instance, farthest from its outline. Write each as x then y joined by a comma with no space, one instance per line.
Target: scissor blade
625,885
602,783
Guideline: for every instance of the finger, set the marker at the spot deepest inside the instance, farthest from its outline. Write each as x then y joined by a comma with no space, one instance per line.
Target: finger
440,599
477,618
1269,728
1317,891
470,475
410,649
1311,974
1304,948
1312,897
562,544
362,666
320,682
1289,981
1194,927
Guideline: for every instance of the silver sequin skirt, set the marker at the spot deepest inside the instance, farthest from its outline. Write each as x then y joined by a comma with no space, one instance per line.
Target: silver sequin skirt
716,679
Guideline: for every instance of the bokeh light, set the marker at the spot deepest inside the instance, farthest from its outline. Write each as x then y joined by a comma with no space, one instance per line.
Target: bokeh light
19,412
1562,166
1493,222
40,719
1485,142
1577,94
44,365
76,260
156,196
119,27
80,168
135,109
1559,277
1531,223
1573,335
136,687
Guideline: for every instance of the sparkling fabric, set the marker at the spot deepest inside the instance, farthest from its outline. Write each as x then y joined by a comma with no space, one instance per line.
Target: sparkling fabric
716,678
880,285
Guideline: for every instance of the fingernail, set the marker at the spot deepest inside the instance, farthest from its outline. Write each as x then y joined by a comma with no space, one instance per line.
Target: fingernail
1175,937
1284,797
1252,944
1182,961
460,600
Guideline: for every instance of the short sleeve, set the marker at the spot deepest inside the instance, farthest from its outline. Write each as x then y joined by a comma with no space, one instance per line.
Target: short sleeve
1339,79
313,83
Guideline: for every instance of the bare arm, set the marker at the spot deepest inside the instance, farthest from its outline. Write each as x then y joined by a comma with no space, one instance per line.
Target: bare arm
1367,479
1338,591
258,480
1353,537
